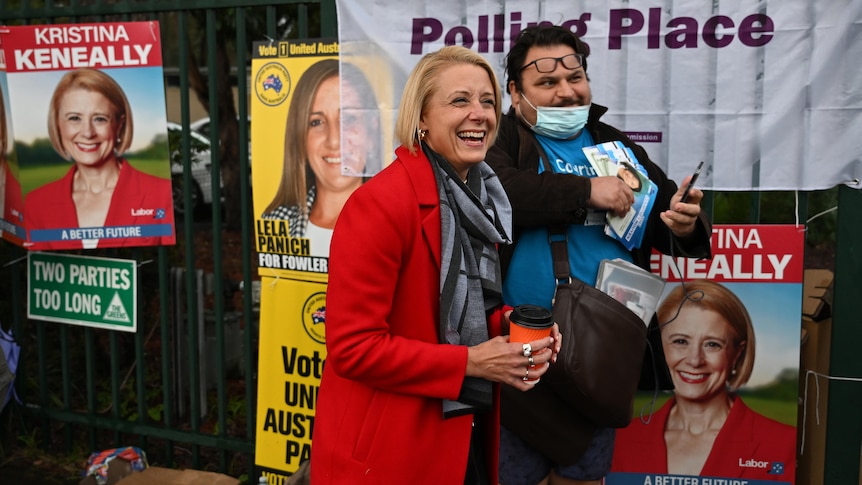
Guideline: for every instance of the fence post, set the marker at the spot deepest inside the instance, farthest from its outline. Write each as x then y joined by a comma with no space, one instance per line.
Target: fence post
844,427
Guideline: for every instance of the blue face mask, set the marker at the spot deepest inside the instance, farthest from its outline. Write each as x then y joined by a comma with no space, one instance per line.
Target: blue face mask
560,122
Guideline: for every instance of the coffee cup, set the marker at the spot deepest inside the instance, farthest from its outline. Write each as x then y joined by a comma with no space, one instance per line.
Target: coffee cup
528,323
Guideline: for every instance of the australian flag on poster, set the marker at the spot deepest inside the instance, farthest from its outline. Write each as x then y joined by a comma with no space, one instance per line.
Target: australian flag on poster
272,82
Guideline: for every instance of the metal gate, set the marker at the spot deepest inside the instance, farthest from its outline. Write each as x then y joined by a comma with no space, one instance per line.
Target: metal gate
183,387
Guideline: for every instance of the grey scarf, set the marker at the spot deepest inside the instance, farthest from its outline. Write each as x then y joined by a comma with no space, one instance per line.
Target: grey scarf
474,218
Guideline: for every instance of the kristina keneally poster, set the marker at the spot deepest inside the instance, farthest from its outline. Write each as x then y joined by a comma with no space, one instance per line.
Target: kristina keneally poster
11,215
755,443
93,160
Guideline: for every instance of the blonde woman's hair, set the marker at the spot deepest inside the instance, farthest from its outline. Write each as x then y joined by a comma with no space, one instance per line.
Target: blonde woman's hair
422,85
712,296
96,81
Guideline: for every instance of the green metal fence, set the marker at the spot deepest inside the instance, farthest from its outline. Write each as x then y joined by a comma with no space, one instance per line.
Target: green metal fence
183,387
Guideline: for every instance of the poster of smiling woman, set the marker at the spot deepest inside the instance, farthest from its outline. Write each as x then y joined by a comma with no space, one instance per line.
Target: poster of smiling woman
729,331
88,110
10,190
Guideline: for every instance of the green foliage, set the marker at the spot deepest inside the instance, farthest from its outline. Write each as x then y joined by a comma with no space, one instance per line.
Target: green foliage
782,411
152,166
776,400
40,152
30,442
780,207
236,407
36,176
175,140
823,228
785,387
157,148
43,164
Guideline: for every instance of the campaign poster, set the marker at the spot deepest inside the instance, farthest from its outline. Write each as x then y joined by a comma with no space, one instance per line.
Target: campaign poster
316,137
287,160
730,330
82,290
11,203
90,134
291,353
295,108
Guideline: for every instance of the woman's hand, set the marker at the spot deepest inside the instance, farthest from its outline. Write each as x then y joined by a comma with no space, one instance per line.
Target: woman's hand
558,341
555,333
499,360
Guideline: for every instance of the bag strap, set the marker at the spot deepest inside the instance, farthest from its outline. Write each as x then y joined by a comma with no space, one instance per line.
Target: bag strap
560,253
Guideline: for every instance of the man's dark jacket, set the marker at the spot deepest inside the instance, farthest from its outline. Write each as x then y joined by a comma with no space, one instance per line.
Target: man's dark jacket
551,199
548,199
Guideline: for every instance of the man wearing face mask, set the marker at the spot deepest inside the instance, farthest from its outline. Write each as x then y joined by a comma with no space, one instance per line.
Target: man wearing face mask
550,183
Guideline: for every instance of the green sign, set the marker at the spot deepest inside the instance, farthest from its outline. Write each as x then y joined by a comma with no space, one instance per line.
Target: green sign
82,290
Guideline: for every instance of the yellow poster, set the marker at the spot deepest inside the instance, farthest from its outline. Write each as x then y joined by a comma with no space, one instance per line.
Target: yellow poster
317,136
290,364
285,93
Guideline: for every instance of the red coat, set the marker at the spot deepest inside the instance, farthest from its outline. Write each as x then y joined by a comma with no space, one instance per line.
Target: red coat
379,416
139,200
12,206
749,445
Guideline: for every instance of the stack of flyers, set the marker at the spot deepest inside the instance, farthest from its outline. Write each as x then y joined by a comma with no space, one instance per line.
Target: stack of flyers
615,159
637,289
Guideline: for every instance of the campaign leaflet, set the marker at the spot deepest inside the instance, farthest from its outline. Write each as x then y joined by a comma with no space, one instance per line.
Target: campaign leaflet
90,134
634,287
615,159
729,328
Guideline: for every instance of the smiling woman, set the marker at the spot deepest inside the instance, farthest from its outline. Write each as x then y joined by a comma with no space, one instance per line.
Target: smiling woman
90,123
10,188
321,169
462,124
706,429
414,310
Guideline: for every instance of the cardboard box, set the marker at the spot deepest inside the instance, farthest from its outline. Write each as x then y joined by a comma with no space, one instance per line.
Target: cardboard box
166,476
817,294
816,342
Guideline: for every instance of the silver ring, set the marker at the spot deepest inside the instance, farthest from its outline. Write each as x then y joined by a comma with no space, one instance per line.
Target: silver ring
530,359
528,350
527,375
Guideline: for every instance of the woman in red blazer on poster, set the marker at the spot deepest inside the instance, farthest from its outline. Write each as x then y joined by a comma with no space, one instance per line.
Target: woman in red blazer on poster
10,189
409,393
706,429
141,200
102,201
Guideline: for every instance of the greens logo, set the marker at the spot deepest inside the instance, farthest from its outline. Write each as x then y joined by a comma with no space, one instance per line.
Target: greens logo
314,317
272,84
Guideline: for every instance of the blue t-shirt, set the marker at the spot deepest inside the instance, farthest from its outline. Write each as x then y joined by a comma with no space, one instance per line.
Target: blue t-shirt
530,277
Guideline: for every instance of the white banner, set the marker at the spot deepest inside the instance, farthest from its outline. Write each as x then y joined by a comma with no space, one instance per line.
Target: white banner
768,94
